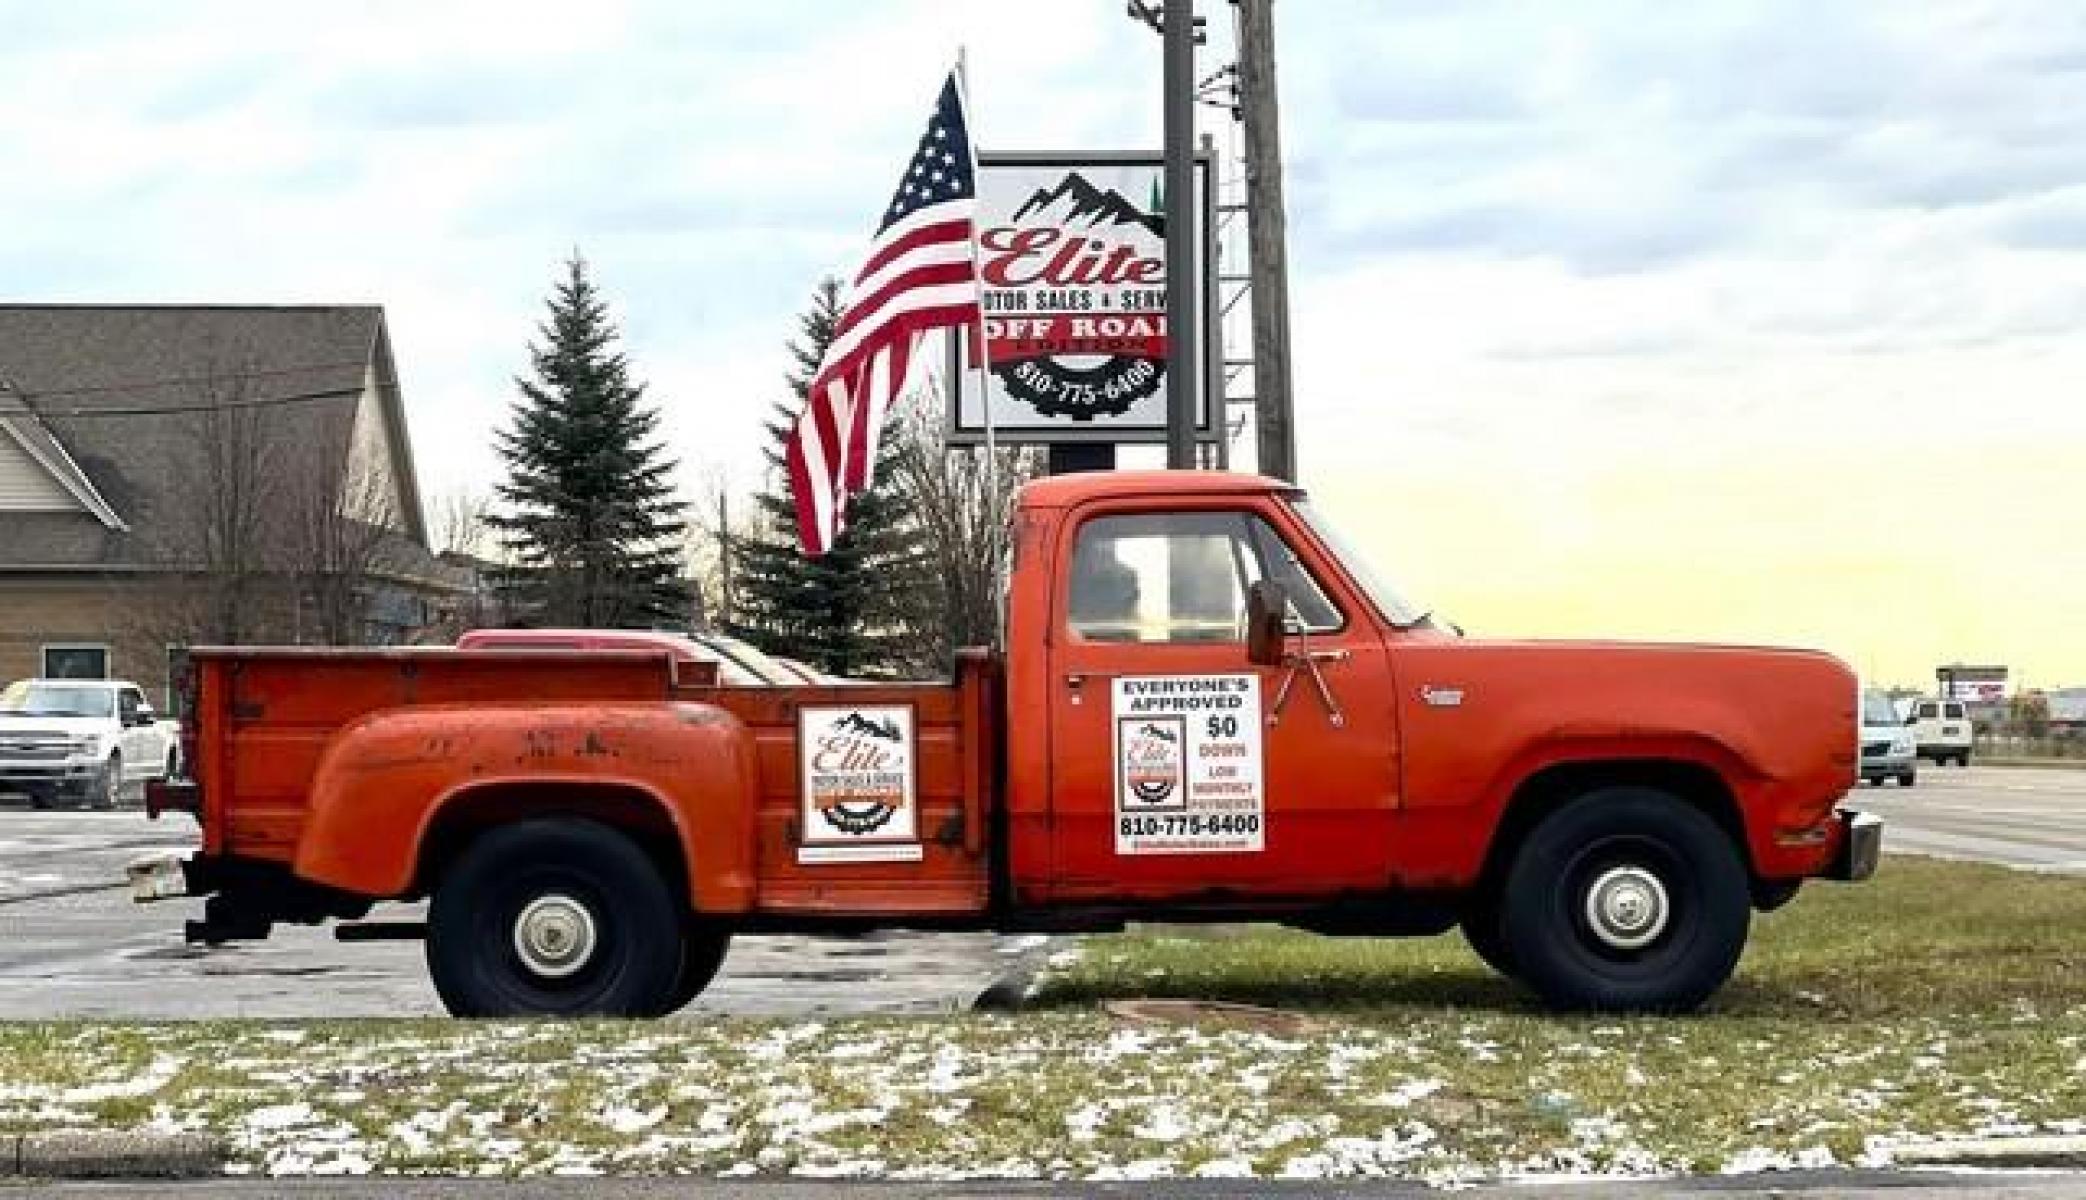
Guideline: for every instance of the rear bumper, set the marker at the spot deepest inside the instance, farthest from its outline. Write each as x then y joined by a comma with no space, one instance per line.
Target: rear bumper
1859,848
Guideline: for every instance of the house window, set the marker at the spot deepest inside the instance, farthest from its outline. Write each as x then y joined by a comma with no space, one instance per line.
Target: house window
76,662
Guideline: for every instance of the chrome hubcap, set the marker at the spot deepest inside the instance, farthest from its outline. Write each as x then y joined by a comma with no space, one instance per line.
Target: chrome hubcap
554,936
1627,907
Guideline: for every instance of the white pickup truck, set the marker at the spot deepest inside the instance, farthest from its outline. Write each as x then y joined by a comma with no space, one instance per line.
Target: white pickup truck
81,740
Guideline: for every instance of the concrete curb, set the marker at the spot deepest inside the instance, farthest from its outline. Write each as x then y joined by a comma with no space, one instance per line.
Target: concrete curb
110,1154
1010,990
1994,1152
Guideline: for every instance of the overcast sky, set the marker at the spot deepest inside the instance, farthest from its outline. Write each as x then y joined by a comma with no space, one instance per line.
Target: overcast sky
1739,320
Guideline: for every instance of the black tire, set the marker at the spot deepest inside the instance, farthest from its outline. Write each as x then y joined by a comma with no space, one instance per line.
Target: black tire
1908,779
1963,759
1640,833
575,868
108,784
702,955
1480,926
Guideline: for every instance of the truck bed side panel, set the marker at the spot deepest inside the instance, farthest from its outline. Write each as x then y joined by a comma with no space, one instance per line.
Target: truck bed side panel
955,770
267,717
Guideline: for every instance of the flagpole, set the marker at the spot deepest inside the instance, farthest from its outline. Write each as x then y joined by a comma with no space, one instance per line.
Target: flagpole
992,450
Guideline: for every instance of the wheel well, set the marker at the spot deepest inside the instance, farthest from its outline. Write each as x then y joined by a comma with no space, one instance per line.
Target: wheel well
633,812
1540,794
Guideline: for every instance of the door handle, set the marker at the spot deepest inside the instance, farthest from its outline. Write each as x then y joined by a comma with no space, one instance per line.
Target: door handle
1307,660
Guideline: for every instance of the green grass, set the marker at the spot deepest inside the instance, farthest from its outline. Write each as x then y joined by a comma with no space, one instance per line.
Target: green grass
1923,938
1939,1000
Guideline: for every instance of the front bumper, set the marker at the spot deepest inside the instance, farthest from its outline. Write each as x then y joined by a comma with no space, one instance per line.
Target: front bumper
1888,766
1860,846
46,776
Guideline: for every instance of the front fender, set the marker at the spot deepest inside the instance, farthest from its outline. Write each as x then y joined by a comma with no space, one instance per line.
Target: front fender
385,778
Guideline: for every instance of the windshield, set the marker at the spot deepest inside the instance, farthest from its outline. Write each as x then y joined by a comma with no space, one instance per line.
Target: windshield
57,700
1388,600
1876,709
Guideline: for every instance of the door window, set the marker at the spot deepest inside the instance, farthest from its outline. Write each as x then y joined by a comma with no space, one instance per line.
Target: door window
1182,578
1953,712
1929,711
127,703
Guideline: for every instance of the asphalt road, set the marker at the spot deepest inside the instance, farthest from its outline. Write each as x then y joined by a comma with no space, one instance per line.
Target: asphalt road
73,944
2018,816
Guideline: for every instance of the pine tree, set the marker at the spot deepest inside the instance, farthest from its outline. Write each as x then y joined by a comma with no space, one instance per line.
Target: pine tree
589,518
844,610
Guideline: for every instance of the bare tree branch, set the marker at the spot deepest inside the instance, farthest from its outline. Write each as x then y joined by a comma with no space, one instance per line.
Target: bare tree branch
964,511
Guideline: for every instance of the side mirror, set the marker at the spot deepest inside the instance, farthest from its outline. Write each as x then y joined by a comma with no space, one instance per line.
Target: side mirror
1267,615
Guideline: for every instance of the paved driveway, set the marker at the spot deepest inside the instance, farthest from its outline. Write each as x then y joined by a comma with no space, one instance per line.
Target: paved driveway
72,944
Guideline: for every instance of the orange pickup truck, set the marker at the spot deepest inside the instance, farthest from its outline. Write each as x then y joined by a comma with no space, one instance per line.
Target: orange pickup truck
1204,709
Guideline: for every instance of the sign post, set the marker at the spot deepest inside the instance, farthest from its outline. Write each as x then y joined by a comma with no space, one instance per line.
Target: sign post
1177,79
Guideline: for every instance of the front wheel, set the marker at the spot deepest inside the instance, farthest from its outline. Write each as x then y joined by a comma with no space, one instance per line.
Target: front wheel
1626,898
109,785
554,917
1480,926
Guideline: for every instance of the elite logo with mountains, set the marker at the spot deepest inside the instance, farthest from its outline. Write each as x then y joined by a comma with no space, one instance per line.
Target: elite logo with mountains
857,773
1075,299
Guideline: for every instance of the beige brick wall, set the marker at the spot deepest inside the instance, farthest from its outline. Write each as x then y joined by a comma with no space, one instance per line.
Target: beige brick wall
35,613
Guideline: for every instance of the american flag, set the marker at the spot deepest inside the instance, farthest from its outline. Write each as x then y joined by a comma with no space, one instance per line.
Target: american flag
921,274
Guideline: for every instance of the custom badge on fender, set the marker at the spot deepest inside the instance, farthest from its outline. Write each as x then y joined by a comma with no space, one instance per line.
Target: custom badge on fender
856,785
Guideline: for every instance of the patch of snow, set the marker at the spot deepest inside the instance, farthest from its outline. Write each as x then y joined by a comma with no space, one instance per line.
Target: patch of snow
627,1120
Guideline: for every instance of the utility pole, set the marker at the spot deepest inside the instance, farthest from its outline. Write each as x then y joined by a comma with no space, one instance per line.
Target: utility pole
1177,80
1274,412
724,557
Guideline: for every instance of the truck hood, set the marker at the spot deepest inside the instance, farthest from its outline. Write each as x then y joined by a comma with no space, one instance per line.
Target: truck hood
1771,713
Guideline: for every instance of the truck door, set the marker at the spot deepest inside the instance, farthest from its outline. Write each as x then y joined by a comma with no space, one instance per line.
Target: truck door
1179,769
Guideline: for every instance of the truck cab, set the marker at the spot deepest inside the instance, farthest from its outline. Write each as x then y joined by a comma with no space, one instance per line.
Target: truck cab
1205,708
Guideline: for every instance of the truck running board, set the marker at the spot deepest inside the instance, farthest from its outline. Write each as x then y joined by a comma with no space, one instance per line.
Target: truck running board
381,931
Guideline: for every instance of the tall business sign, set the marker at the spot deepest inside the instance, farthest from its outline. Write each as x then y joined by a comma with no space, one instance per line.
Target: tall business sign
1072,260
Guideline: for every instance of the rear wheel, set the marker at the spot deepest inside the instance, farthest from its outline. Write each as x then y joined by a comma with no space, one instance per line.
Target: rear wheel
1626,898
557,917
702,956
1908,779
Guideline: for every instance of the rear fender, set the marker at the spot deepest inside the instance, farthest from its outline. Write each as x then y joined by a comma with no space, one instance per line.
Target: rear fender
386,779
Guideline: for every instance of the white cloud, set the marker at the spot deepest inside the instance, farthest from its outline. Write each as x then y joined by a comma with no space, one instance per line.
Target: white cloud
1536,242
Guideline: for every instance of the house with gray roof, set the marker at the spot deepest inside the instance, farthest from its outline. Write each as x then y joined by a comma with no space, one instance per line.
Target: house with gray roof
183,474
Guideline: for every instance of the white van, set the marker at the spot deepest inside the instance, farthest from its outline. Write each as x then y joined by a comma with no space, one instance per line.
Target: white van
1943,730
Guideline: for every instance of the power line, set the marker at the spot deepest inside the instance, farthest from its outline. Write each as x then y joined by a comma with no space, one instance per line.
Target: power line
182,381
169,410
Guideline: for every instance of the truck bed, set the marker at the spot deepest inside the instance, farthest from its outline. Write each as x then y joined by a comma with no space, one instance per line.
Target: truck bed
264,721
